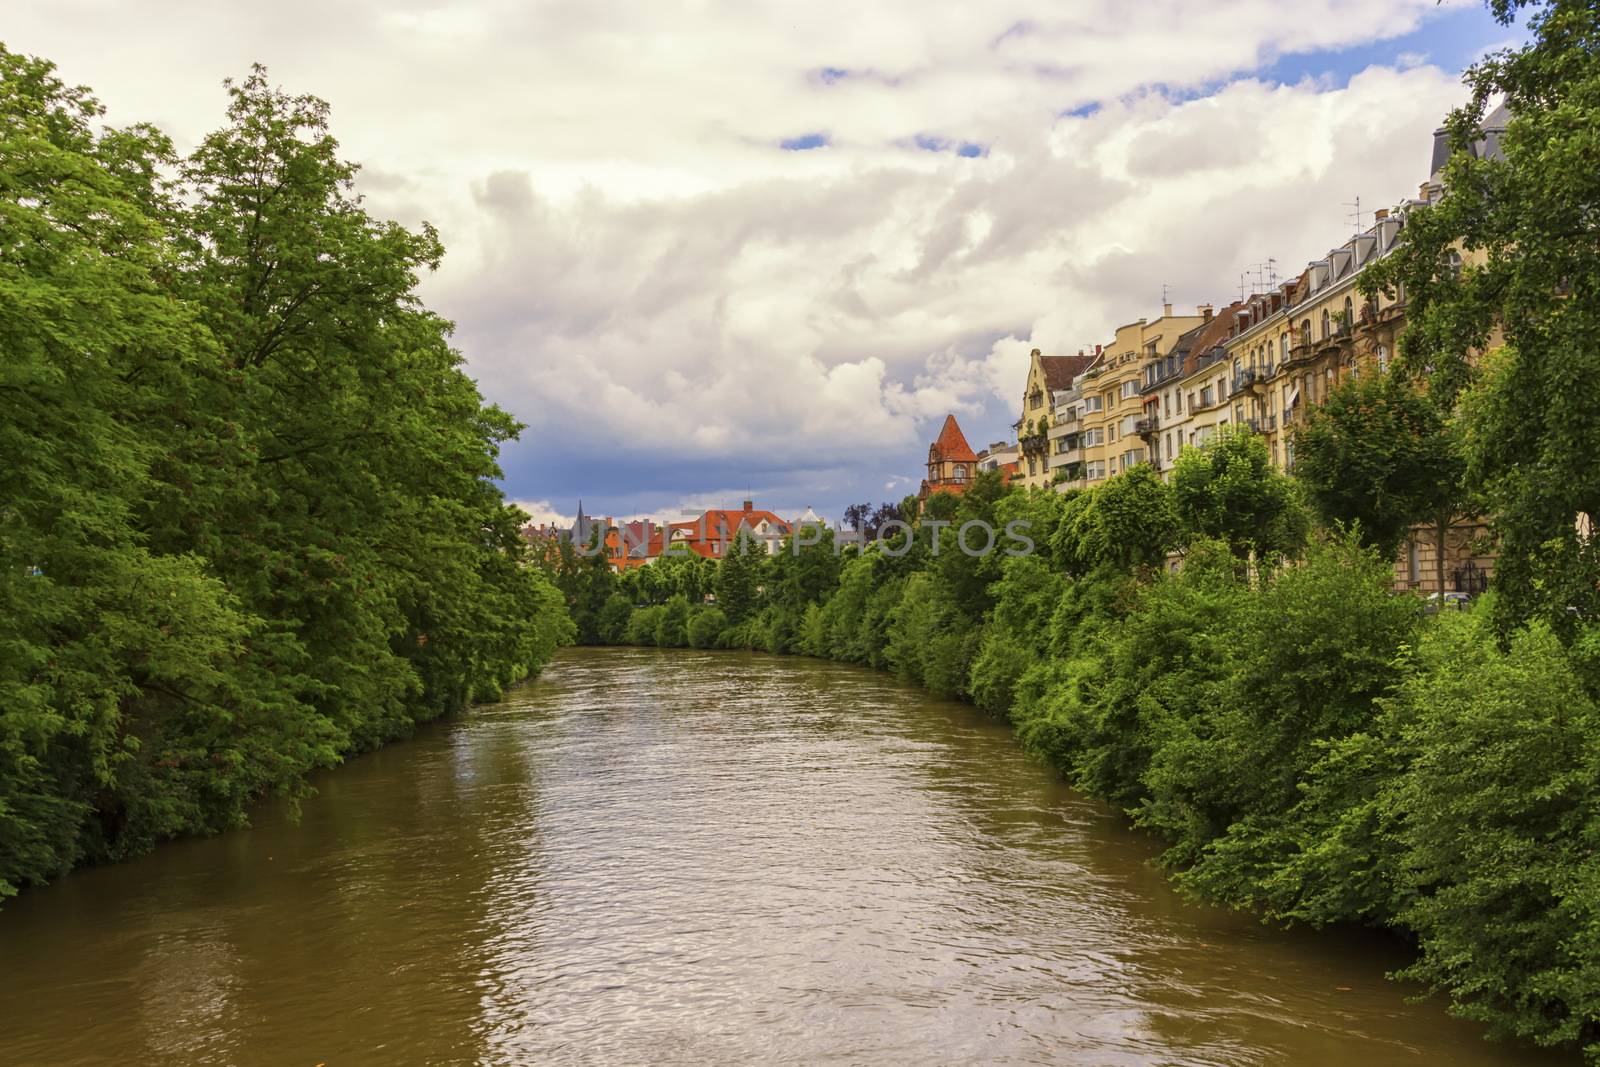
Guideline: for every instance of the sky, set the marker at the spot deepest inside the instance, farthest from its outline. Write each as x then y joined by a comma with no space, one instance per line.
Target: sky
711,251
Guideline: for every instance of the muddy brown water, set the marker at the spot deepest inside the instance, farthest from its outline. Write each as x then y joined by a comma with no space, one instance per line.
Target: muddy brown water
701,858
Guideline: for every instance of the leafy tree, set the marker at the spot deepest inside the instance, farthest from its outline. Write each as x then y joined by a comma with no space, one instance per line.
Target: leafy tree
1494,821
1378,456
251,522
1228,490
740,576
1128,522
1508,259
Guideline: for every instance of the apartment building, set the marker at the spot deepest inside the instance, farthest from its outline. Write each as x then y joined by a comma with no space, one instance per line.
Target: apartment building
1047,376
1110,404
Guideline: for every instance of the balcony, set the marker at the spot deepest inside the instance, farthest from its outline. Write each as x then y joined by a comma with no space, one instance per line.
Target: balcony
1300,353
1242,382
1034,443
1147,426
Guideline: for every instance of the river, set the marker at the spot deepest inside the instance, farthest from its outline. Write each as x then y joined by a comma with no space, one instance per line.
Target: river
695,858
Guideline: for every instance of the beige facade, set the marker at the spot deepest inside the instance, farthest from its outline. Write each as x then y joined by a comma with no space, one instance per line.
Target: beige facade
1048,377
1111,406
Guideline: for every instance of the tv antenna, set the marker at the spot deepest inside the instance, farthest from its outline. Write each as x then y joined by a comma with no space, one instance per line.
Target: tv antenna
1355,214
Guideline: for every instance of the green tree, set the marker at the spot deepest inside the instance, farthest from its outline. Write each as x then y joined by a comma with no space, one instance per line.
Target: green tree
740,575
1509,253
1229,491
1129,522
1378,455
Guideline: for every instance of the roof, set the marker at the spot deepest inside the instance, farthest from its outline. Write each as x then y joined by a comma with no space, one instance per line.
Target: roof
952,443
1493,127
1210,334
1059,371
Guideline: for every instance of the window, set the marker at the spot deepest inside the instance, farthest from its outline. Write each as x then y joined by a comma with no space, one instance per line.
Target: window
1349,316
1305,331
1130,388
1205,397
1283,345
1092,403
1382,355
961,472
1166,403
1169,446
1094,469
1035,399
1325,320
1454,261
1096,436
1033,465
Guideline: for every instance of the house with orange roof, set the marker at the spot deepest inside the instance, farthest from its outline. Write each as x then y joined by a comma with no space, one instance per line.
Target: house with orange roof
710,535
951,462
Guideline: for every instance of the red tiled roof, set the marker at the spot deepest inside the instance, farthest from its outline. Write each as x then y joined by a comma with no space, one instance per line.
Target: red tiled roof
716,528
952,444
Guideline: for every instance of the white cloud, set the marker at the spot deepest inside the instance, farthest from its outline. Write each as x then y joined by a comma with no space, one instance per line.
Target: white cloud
636,267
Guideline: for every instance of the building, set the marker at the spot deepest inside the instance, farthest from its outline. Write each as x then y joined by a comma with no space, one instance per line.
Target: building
1181,383
951,462
717,528
1065,437
1110,404
1002,456
1047,376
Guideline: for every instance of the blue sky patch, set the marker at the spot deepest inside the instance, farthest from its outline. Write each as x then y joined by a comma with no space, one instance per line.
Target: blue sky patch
804,143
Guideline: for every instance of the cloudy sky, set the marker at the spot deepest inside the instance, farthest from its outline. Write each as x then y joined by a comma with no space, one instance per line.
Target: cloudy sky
709,248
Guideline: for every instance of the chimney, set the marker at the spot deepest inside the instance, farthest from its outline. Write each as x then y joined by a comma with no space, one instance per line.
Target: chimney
1097,349
1380,214
1166,311
749,505
1203,310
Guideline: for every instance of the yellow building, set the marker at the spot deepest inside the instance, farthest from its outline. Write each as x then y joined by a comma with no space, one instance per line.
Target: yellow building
1047,377
1110,405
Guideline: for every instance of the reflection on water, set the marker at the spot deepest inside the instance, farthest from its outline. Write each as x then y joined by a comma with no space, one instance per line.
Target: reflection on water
689,858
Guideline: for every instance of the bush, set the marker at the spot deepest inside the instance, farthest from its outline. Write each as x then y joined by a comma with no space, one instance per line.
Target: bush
706,625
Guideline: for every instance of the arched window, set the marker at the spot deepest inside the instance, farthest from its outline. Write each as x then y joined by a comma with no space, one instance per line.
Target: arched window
1305,331
1382,355
1283,345
961,472
1325,320
1454,260
1349,314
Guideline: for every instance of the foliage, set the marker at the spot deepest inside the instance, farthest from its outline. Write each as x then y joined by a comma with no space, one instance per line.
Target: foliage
250,523
740,576
1522,229
1230,492
1377,456
1128,522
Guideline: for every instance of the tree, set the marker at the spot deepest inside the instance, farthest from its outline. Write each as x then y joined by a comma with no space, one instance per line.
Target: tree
1229,491
1378,455
739,577
1128,522
1510,253
250,519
